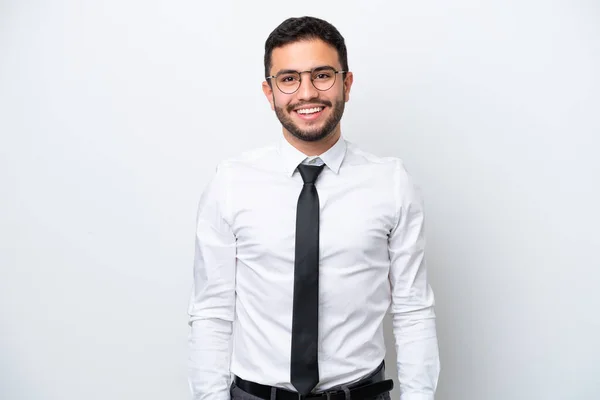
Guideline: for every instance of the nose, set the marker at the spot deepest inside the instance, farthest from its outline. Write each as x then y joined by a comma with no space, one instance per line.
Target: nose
307,90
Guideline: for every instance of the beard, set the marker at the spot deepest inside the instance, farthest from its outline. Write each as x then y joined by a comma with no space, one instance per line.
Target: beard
311,134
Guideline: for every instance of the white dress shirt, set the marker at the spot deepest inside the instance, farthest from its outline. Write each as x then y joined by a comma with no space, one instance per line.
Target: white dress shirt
371,261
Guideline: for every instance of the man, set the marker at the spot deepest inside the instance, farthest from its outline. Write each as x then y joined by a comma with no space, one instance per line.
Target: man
302,247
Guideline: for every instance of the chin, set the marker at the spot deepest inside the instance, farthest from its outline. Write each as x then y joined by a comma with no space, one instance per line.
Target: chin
311,136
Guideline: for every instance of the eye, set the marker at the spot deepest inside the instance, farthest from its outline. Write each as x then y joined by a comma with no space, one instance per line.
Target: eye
323,75
288,78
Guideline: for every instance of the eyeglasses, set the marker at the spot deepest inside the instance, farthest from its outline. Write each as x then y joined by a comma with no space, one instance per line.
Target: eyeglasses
322,78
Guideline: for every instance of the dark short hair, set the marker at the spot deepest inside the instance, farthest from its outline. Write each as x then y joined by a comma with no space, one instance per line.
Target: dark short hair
305,28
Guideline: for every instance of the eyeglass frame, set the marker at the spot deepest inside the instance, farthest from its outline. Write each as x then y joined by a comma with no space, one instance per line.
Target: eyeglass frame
316,69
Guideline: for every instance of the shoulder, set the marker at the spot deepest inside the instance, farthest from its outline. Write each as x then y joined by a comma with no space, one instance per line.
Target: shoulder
252,157
236,165
394,165
243,163
394,169
356,155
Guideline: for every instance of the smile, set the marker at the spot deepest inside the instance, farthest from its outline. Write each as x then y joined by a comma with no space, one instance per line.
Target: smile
309,114
310,110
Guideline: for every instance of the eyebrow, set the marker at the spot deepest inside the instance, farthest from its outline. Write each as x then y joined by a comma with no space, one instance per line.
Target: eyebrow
319,68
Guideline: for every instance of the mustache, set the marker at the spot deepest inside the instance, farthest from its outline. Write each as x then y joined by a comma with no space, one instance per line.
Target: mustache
291,107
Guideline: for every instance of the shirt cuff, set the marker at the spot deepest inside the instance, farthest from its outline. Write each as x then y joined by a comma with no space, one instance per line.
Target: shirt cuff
416,396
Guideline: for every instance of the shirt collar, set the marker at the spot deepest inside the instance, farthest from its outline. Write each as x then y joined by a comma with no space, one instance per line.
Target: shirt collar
292,157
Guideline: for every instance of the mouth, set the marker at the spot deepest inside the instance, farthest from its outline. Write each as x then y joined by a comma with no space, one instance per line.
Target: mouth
309,113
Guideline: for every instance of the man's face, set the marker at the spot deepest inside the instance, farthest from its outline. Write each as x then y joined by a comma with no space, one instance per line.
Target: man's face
296,111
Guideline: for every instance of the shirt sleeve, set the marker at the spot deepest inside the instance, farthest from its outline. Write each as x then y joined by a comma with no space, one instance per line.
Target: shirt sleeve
212,304
412,309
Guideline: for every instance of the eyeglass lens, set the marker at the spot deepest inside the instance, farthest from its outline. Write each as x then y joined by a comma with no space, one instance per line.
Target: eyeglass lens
322,79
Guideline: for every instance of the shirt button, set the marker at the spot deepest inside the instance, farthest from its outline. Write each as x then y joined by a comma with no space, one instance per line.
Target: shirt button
314,160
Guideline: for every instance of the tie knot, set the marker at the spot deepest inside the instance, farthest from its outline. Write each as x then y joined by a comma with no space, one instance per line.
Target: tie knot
310,173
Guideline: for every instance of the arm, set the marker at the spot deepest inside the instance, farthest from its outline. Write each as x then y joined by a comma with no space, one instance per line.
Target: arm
413,316
212,303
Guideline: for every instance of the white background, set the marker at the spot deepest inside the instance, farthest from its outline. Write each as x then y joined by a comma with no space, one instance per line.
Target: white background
114,114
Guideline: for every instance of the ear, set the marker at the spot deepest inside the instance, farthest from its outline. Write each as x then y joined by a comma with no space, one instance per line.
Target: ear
268,91
347,85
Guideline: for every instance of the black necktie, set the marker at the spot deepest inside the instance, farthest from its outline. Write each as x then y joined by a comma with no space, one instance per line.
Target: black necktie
304,363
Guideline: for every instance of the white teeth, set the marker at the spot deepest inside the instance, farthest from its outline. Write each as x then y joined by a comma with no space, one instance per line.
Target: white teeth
310,110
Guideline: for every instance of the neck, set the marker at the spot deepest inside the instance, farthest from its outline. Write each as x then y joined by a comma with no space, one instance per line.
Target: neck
313,148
